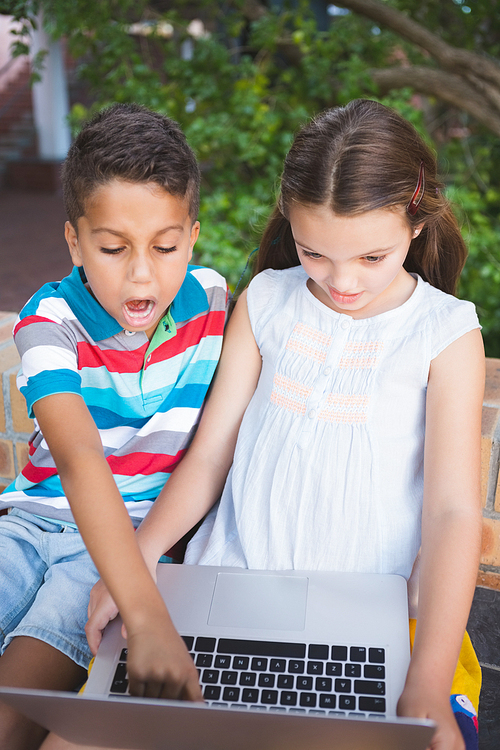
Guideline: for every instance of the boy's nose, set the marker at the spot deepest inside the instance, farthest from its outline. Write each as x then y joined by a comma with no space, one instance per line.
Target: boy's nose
140,267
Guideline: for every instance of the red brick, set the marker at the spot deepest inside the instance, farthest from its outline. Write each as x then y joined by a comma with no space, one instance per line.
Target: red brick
488,426
20,420
6,459
492,389
488,579
22,455
490,549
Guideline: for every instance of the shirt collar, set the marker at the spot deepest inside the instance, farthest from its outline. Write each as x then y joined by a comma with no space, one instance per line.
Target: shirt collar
190,300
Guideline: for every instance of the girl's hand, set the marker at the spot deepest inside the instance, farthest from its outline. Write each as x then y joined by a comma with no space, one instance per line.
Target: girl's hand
425,704
101,610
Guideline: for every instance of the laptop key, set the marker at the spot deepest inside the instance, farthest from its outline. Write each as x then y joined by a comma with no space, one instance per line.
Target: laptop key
304,683
241,662
231,694
324,684
259,664
229,678
371,704
285,681
210,676
339,653
314,667
342,686
120,681
318,651
288,698
327,700
250,695
358,653
277,665
369,687
296,667
204,660
188,640
211,693
124,654
223,661
267,680
347,702
247,678
205,644
376,655
352,670
308,700
269,696
261,648
374,671
334,668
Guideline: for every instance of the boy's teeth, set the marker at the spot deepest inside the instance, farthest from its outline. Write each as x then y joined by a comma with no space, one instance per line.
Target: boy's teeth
139,307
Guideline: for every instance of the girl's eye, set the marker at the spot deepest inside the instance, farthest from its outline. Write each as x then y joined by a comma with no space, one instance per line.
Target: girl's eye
374,258
309,254
166,249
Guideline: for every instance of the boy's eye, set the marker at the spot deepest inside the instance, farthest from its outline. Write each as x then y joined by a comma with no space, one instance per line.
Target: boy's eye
166,249
112,250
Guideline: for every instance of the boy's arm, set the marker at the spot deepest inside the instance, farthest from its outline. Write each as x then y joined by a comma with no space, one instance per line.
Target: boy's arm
158,664
451,532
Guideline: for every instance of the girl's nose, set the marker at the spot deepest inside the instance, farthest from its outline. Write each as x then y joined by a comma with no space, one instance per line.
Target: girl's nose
343,281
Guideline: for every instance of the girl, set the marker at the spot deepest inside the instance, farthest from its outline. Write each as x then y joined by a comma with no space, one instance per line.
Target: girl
343,428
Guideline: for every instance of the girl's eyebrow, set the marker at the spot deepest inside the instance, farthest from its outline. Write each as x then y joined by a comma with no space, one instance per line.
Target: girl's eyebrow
382,251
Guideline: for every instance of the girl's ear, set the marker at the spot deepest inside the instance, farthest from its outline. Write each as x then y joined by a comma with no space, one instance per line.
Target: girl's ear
73,244
418,229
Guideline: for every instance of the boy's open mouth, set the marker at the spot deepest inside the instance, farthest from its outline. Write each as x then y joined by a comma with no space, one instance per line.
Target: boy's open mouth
138,310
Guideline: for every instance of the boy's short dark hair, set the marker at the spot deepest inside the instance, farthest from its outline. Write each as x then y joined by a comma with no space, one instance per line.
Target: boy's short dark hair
129,142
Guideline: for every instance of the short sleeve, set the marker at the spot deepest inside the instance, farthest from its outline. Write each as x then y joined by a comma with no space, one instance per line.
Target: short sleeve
452,320
262,299
49,361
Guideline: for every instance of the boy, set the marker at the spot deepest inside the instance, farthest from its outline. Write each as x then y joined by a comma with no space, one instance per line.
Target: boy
116,362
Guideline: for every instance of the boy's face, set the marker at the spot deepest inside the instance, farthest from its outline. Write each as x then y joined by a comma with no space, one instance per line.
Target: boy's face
134,243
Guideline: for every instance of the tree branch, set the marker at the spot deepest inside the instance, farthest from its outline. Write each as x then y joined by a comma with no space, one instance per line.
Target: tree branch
450,58
446,86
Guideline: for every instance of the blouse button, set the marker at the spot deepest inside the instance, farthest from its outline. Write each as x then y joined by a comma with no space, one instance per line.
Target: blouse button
312,414
327,370
344,324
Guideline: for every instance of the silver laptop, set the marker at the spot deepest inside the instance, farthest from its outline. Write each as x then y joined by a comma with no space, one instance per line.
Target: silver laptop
287,659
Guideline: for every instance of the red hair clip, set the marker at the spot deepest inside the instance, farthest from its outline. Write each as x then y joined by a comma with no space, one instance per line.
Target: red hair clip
414,203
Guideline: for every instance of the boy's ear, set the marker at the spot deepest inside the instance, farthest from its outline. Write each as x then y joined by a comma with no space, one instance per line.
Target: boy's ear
73,244
195,232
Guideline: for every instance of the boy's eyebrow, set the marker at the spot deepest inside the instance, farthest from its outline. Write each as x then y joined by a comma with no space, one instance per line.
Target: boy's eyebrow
99,230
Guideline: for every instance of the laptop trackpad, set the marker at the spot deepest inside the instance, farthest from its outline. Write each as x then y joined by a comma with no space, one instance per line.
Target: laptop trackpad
259,601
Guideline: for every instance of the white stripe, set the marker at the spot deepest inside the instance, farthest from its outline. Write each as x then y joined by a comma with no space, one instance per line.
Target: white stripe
209,278
55,308
43,358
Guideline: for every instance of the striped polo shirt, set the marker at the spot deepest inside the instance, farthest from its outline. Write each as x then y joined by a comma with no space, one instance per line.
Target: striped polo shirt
144,396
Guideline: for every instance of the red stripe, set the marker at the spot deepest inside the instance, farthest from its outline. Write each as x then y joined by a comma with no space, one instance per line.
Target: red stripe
30,319
37,474
191,334
143,463
111,359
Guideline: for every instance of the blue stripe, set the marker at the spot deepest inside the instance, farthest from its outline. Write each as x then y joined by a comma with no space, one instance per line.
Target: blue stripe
48,383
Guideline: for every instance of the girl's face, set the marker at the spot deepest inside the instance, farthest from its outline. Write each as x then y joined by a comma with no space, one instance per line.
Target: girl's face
354,263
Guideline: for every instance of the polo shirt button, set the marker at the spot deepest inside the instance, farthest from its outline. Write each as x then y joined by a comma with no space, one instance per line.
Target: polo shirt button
129,333
312,414
149,358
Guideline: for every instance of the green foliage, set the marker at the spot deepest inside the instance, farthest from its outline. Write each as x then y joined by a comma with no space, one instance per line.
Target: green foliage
247,87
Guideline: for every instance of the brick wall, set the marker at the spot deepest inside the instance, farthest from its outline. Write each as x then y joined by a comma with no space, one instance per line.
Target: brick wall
15,429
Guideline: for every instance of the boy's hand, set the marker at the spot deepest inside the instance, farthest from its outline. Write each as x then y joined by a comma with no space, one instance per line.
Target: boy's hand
426,705
159,664
101,610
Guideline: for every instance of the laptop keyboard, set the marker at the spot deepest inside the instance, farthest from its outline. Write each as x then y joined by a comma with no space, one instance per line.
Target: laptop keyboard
291,677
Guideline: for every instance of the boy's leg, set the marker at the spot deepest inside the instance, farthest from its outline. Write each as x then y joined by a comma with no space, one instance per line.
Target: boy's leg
28,662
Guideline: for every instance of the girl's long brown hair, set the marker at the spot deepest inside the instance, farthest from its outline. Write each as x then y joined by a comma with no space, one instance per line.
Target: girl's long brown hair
358,158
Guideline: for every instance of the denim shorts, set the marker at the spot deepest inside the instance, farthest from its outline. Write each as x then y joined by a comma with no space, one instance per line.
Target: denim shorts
46,575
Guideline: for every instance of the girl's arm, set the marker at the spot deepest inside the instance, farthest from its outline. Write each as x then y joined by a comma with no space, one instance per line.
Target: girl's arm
451,533
198,480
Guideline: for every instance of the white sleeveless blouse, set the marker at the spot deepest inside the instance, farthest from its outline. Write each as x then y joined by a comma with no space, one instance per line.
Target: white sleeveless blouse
328,467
